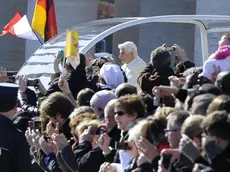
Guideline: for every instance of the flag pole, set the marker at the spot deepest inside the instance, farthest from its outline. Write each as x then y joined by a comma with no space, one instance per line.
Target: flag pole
16,9
38,38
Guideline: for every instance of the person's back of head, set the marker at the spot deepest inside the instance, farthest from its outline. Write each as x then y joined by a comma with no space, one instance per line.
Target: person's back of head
211,88
74,122
124,89
151,129
164,112
178,117
100,100
200,104
193,70
156,130
80,110
192,126
220,103
112,75
56,104
222,81
194,80
217,124
190,98
148,101
84,97
160,57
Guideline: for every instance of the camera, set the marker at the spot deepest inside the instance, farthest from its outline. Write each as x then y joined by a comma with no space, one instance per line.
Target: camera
98,130
32,83
31,125
34,124
165,160
122,145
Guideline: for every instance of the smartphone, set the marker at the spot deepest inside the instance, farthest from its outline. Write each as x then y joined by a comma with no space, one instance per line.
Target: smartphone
98,130
122,146
31,125
32,83
165,160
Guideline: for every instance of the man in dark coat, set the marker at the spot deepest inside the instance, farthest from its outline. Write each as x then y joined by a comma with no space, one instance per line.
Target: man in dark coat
157,71
14,149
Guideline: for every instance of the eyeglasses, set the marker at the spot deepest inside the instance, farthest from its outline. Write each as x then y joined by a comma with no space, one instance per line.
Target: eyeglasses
172,130
120,113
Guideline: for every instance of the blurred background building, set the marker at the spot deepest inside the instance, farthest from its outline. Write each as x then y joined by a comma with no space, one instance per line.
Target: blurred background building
15,51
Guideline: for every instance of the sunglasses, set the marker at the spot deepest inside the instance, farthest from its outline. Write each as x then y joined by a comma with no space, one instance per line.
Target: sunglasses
120,113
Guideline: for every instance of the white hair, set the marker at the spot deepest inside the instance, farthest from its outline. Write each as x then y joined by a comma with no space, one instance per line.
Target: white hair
109,108
128,47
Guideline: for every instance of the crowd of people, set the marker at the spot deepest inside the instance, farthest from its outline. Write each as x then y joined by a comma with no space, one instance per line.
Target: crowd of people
166,115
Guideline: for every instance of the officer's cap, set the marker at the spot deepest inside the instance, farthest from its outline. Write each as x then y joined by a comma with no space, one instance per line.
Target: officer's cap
8,91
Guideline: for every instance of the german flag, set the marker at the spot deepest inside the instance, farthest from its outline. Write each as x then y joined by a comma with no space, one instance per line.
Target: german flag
44,19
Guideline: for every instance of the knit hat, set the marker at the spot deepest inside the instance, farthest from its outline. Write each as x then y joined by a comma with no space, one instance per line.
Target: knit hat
112,75
101,98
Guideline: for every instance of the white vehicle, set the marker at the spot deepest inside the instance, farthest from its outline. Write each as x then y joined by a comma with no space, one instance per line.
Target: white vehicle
40,64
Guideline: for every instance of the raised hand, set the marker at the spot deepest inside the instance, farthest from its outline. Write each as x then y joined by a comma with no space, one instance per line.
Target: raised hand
50,130
29,137
164,90
176,82
59,56
104,142
3,75
64,85
36,135
106,167
47,146
148,149
60,141
22,83
180,52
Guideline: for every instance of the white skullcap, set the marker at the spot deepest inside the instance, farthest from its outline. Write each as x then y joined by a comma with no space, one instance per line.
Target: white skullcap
112,74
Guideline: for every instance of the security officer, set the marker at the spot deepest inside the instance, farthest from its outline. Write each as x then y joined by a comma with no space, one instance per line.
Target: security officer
14,149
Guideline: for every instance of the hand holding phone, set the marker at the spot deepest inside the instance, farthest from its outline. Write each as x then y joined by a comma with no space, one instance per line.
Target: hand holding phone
32,82
98,130
166,160
31,125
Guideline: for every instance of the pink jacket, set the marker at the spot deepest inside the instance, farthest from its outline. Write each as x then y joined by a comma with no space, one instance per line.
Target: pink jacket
222,53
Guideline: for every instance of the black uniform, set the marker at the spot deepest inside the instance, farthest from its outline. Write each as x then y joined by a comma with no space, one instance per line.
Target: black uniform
14,149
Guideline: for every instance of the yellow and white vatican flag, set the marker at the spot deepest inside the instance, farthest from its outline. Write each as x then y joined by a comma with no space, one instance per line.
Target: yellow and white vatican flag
72,49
